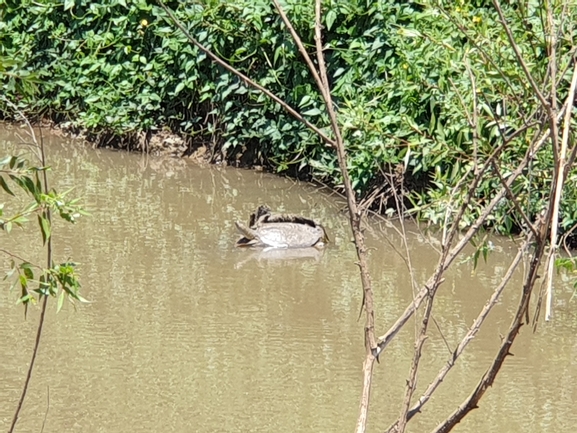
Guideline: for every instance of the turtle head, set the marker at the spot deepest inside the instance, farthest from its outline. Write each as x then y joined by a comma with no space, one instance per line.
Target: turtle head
324,239
256,216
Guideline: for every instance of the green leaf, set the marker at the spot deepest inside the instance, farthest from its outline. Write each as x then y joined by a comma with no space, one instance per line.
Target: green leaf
60,301
27,271
68,4
338,72
179,87
44,227
81,299
13,161
304,101
330,20
312,112
4,186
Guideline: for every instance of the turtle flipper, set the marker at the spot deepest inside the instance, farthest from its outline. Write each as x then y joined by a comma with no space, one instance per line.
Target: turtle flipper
249,235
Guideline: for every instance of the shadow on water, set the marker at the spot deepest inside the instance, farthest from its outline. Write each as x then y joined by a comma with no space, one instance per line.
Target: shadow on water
185,332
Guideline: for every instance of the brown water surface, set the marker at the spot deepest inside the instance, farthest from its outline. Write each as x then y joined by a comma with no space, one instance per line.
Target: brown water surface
186,333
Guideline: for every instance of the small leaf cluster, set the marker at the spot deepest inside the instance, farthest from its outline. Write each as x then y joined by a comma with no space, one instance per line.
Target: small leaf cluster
17,174
59,281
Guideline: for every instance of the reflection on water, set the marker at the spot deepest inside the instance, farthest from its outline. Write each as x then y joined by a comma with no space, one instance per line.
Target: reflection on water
280,256
185,332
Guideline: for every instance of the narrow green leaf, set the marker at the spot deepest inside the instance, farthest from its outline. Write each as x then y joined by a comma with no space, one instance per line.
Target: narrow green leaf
4,186
23,281
10,272
179,88
44,227
27,270
338,72
28,185
81,299
13,161
312,112
304,101
60,301
38,182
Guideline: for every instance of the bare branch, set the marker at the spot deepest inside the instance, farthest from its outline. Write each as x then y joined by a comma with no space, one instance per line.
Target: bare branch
16,256
488,378
561,173
469,336
520,59
513,199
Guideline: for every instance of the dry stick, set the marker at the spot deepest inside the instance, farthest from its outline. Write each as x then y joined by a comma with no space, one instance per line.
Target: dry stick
354,213
45,300
559,160
303,51
16,256
355,221
469,336
474,122
562,173
420,341
244,78
488,378
513,199
520,59
412,380
552,48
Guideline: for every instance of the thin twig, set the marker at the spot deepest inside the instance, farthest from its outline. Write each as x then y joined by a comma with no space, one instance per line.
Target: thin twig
560,173
16,256
355,216
45,300
513,199
488,378
420,334
519,56
469,336
47,408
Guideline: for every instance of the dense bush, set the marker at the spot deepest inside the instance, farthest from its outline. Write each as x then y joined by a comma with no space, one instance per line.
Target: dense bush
401,74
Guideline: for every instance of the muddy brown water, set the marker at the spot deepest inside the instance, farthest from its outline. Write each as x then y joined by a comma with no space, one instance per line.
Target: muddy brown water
186,333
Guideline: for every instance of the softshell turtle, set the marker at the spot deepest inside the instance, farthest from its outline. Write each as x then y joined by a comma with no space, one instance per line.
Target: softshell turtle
280,231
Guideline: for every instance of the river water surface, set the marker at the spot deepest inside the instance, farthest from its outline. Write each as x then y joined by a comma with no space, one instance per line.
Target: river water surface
186,333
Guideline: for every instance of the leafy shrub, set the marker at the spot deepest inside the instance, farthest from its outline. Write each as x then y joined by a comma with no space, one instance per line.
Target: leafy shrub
400,73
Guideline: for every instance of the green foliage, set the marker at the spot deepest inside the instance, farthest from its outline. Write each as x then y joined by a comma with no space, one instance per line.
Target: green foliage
401,75
569,266
61,280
